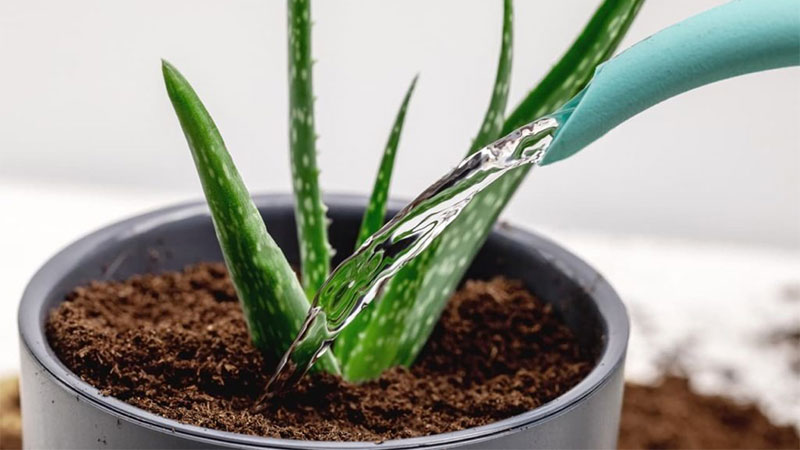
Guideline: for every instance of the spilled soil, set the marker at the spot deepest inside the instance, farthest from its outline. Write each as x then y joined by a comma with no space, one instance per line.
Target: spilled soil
10,418
176,344
672,416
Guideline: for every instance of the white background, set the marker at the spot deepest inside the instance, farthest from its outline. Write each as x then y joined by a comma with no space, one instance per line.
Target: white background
82,101
691,210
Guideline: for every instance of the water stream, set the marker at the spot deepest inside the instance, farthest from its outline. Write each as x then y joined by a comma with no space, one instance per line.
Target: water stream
359,279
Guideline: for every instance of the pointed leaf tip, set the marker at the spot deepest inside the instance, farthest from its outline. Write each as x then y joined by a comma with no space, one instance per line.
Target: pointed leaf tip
167,69
173,79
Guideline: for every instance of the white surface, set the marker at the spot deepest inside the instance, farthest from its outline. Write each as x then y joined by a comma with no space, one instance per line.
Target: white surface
83,102
42,220
709,308
715,302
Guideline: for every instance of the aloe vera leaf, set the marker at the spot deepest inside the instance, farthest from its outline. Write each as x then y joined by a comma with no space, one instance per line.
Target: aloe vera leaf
371,344
375,213
376,207
493,119
421,299
312,222
272,299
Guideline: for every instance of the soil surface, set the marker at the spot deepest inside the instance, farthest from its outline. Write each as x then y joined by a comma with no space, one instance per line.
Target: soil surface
671,416
176,344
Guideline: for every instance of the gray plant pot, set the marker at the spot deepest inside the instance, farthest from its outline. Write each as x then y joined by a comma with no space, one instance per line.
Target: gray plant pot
61,411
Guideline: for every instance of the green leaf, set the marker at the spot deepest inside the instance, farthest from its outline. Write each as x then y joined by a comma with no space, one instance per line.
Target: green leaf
373,218
376,208
273,301
370,345
493,119
417,295
312,223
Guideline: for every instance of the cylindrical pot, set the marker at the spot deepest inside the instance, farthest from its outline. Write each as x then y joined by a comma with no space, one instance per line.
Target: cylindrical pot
59,410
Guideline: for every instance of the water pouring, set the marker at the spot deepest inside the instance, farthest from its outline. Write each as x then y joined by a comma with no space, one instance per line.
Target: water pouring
740,37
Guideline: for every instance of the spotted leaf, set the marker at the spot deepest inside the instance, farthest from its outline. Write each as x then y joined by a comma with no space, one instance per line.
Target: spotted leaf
376,207
272,299
312,222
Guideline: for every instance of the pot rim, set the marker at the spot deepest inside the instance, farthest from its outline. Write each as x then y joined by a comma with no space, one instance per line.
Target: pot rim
31,328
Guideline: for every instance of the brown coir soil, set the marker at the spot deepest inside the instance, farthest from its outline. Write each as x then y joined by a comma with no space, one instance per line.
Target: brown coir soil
672,416
176,344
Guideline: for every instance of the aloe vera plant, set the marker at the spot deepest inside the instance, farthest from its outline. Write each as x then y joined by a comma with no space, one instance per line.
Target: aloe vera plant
392,330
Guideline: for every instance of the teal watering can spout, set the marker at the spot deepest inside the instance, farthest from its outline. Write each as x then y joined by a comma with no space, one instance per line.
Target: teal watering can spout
740,37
